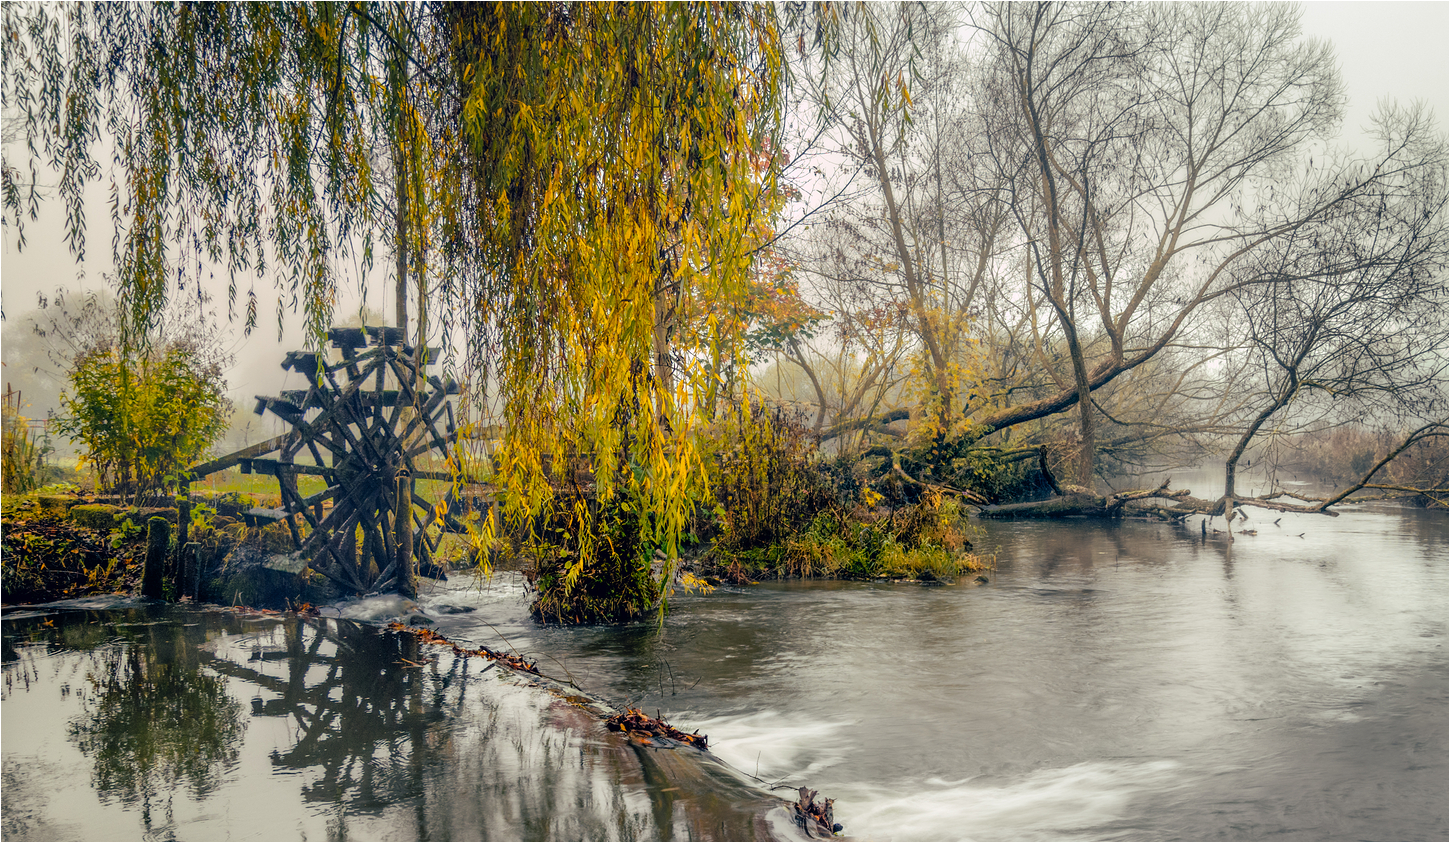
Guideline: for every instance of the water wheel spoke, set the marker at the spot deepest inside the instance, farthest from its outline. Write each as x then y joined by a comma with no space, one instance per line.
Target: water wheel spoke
421,521
429,415
340,511
428,542
319,433
379,538
291,501
440,441
347,573
386,577
339,573
341,419
346,549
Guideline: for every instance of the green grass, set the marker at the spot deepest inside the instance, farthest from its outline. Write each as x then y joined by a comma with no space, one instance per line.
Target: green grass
264,486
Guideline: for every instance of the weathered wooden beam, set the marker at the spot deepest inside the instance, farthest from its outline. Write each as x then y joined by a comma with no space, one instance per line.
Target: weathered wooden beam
223,463
259,515
388,335
347,339
304,362
270,466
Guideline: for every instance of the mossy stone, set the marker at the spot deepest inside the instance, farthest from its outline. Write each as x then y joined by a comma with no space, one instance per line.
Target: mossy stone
56,505
95,516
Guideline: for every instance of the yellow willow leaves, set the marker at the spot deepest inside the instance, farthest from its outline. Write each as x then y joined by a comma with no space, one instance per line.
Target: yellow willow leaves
621,162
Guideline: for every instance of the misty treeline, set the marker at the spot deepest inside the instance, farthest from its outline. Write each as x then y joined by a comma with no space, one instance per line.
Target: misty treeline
1017,205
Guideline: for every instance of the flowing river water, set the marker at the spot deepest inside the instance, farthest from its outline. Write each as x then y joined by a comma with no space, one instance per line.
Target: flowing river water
1110,681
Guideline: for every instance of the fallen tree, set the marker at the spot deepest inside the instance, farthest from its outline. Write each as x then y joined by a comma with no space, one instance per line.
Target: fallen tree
1078,502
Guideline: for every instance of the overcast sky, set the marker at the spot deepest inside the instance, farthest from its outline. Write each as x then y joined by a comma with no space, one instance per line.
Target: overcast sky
1398,50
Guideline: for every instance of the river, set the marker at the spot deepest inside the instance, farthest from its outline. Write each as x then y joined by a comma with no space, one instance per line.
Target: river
1109,681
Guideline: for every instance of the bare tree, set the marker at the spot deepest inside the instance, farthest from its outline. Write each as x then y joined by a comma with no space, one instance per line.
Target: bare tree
1149,149
1072,203
1348,315
918,236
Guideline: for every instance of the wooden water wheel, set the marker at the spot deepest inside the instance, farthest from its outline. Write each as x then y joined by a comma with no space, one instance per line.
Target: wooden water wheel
361,426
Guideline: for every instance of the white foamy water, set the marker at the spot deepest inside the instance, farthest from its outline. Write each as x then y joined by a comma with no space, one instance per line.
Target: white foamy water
1053,804
772,746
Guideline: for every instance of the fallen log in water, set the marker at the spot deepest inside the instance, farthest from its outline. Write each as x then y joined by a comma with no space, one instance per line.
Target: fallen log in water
816,819
1077,502
428,636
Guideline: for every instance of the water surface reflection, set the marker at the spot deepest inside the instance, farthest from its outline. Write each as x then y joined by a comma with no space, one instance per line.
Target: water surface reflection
198,723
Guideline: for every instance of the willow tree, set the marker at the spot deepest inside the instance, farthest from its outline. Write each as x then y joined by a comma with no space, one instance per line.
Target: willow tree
239,138
606,187
573,178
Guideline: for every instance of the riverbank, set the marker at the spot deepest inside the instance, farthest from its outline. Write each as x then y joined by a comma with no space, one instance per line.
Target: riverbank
66,545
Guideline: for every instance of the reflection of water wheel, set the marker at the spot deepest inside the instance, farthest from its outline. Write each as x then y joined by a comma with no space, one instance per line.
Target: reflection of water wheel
363,426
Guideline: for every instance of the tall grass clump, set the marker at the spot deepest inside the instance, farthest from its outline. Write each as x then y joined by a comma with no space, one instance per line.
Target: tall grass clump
21,451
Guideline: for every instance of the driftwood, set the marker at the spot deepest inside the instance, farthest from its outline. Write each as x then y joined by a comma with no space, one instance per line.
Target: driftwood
429,636
816,818
643,728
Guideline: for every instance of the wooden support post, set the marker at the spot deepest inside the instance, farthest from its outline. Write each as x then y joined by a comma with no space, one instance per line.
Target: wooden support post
158,536
192,554
403,532
183,527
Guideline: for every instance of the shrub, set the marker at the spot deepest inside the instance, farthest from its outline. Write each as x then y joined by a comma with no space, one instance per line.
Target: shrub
48,558
142,417
1344,454
783,514
763,478
926,541
617,583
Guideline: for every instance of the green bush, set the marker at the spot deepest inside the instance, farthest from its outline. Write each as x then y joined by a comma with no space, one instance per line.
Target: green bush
763,478
783,514
48,559
142,417
924,541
